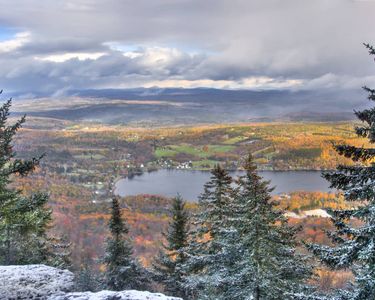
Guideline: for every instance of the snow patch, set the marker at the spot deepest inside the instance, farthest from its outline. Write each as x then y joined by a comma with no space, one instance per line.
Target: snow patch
109,295
47,283
33,281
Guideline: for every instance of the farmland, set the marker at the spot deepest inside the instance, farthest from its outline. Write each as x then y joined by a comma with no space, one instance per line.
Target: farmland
275,146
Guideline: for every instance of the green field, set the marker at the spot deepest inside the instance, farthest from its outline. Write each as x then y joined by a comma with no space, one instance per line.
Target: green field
171,151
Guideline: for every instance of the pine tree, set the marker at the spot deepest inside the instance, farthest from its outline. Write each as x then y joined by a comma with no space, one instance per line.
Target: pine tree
268,265
23,220
168,264
59,252
86,278
123,271
355,246
208,253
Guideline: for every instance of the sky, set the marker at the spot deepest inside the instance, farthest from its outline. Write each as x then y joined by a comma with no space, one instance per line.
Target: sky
55,46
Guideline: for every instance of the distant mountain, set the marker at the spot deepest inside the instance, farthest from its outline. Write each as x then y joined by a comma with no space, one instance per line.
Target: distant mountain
156,106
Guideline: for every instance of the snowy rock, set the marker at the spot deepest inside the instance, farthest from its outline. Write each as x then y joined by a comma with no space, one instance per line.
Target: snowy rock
109,295
33,282
47,283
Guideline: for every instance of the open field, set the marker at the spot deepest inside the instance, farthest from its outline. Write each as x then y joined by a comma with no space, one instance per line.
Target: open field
275,146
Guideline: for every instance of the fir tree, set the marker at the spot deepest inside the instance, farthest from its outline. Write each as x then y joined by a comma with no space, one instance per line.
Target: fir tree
268,266
59,253
86,278
23,220
208,254
355,246
123,271
168,265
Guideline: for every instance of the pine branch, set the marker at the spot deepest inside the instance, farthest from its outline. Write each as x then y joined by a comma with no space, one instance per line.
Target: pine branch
370,48
371,93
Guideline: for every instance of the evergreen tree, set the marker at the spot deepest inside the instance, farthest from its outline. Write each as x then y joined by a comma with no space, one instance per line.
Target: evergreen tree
23,220
123,271
268,265
59,253
168,265
86,278
208,252
355,246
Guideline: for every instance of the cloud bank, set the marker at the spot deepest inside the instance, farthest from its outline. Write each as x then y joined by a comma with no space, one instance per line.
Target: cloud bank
53,46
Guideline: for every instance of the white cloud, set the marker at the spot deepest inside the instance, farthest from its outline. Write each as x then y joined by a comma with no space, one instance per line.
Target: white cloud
67,56
246,83
19,39
331,80
132,54
271,83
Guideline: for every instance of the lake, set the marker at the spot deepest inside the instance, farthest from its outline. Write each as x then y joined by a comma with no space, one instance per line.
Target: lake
190,183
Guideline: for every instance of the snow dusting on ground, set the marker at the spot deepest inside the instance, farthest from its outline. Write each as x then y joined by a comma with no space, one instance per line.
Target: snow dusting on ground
33,281
47,283
109,295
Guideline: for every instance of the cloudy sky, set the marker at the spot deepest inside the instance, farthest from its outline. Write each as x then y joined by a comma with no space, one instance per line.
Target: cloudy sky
54,46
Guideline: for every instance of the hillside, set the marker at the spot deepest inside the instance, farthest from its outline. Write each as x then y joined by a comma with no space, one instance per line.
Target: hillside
162,107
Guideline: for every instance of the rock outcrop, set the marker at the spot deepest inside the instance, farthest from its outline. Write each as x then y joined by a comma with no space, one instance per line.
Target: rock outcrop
33,282
46,283
109,295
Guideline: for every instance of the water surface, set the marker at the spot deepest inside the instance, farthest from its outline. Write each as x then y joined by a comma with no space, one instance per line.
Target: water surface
190,183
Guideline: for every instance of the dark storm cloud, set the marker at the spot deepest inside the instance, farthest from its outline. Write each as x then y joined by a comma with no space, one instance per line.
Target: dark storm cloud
112,69
86,44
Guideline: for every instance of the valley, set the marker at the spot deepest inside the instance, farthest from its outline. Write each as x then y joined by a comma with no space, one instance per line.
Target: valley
84,160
